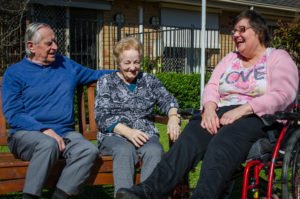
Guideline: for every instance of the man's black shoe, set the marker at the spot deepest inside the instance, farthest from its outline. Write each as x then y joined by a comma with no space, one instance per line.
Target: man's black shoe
136,192
125,193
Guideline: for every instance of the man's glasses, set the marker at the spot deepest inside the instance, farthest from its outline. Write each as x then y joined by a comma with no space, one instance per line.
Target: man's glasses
240,30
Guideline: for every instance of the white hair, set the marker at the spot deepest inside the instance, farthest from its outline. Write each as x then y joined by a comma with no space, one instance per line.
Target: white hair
32,34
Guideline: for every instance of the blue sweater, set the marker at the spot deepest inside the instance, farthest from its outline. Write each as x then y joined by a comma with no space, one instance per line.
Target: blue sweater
39,97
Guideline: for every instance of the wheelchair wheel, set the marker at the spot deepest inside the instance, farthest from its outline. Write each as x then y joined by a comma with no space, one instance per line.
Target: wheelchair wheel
291,168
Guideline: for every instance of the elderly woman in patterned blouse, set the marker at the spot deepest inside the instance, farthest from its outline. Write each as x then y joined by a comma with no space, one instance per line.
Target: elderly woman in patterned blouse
125,100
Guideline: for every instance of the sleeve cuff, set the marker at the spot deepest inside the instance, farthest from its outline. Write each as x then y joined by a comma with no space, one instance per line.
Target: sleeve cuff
111,127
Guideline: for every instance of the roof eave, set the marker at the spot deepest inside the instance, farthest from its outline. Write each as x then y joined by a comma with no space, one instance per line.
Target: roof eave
261,5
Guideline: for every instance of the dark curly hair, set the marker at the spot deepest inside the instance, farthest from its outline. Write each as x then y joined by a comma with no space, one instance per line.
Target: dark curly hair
258,24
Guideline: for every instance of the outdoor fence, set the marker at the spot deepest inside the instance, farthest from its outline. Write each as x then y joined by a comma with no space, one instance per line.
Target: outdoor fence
90,42
176,49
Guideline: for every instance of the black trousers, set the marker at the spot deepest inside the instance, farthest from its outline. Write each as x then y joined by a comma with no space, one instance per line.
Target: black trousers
221,155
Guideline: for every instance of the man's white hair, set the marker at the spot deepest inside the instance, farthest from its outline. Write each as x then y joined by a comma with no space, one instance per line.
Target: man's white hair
32,34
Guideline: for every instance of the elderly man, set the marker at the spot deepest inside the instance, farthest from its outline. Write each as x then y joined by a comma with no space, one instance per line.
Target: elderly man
37,100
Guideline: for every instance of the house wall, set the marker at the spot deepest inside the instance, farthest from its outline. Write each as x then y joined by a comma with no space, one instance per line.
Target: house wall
130,10
226,18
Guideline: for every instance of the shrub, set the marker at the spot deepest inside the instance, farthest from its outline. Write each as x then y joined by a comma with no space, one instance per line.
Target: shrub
185,87
287,37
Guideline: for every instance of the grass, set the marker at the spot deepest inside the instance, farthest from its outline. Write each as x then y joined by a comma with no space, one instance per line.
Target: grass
95,192
194,175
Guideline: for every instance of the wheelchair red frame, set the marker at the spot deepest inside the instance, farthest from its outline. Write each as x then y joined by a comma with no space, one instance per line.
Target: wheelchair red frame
253,168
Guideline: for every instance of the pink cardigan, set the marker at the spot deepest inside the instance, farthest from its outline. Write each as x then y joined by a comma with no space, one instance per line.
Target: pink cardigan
282,83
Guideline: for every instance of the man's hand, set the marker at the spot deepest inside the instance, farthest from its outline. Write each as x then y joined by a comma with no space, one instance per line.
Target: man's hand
59,140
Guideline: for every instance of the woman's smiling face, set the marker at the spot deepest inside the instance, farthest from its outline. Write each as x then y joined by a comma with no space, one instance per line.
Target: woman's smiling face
129,64
244,37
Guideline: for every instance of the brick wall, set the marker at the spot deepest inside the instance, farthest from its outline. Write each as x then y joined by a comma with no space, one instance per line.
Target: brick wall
129,8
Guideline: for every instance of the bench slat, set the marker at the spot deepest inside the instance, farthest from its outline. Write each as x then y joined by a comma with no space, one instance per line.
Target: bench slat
3,130
3,139
11,186
12,173
91,135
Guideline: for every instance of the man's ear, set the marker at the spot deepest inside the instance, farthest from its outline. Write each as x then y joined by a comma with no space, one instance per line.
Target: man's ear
31,46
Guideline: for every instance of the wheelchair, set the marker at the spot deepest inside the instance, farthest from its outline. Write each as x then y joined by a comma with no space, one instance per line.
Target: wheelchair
272,168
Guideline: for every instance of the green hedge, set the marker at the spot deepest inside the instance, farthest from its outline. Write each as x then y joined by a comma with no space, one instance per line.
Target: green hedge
185,87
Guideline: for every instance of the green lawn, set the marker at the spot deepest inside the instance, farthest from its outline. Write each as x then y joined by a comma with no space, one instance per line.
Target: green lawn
194,175
106,192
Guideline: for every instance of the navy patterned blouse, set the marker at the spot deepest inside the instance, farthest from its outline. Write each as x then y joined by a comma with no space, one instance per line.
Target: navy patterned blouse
116,102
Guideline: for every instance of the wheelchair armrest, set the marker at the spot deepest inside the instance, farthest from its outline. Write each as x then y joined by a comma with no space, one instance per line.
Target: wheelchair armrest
281,115
287,115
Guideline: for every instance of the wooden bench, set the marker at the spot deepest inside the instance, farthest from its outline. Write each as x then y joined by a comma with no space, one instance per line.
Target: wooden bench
13,170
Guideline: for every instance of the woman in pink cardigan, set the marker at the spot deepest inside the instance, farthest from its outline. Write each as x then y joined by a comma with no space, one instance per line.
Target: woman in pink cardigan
246,84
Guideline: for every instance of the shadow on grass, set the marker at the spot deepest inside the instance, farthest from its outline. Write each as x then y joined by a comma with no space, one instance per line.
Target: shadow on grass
90,192
96,192
236,189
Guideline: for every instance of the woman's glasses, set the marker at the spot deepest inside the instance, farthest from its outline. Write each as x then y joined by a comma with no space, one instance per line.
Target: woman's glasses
240,30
